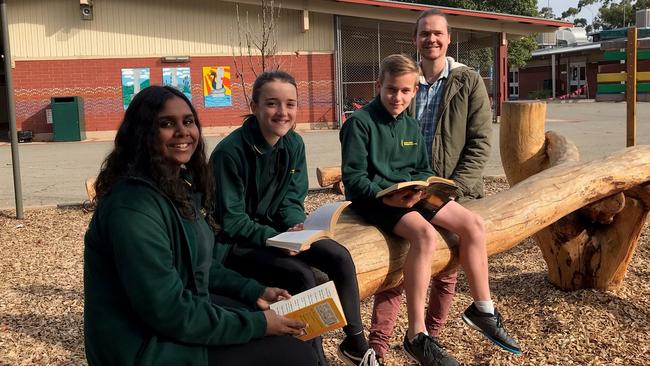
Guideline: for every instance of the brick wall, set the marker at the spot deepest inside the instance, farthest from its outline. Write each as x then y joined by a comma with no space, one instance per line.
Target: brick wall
592,78
98,82
532,79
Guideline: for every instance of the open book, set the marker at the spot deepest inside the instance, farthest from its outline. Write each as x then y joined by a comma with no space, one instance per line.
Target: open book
318,225
436,186
319,307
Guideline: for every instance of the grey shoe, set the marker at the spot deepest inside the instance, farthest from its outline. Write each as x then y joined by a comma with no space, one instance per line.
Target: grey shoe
426,351
492,327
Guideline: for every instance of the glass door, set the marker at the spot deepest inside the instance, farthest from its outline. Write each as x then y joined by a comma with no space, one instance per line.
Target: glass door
577,79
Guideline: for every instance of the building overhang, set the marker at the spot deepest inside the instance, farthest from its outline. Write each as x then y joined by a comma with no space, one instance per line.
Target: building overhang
567,50
408,13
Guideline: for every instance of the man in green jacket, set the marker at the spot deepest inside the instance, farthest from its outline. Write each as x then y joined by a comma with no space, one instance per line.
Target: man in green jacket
453,109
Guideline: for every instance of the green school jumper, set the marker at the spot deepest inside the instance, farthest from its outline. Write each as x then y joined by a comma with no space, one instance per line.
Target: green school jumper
147,273
251,205
379,150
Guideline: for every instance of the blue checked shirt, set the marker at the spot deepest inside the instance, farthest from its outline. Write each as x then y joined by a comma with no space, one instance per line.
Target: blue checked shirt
427,101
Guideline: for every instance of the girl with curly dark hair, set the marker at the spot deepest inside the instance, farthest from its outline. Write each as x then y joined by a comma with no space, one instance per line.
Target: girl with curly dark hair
155,291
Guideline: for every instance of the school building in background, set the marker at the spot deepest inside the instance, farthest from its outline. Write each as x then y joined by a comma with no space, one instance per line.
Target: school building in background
572,65
97,54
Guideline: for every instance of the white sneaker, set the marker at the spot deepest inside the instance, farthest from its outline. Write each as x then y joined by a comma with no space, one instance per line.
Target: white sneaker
369,358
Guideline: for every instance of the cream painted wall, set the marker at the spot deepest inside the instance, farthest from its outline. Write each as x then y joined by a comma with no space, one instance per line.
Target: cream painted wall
52,29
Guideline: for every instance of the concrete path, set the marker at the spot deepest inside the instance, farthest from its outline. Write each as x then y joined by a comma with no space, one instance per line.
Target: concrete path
54,173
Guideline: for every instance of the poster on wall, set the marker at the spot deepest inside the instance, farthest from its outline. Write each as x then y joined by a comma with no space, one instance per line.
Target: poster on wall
178,77
216,86
134,80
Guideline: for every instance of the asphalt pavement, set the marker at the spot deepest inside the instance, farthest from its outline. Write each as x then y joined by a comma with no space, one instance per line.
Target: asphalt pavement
54,172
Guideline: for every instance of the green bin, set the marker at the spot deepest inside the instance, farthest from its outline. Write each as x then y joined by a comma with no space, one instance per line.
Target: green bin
68,119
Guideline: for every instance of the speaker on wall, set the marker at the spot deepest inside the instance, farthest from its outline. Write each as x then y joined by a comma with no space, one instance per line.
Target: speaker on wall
86,9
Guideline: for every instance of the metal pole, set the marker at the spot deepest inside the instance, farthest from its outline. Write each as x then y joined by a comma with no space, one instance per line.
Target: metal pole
378,50
338,67
15,161
553,74
567,91
630,85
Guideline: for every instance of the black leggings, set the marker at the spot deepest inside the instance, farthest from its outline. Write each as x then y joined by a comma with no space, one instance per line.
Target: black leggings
272,267
272,350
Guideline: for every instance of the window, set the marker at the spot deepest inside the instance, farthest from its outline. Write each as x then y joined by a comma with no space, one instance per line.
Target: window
513,84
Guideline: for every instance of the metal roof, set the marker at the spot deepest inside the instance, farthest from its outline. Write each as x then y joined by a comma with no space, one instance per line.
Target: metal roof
622,33
407,12
569,49
463,12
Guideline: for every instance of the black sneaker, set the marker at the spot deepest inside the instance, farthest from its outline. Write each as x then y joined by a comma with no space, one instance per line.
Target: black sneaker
426,351
492,327
356,356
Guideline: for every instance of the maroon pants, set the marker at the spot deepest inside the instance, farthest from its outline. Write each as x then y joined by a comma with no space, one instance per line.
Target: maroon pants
386,307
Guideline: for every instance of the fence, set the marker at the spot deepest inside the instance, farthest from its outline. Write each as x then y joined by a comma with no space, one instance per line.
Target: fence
363,43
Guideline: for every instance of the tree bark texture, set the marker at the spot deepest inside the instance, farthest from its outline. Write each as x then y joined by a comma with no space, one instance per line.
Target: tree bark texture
329,175
548,185
590,247
513,215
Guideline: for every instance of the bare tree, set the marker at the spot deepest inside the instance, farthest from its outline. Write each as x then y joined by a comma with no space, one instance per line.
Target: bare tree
257,45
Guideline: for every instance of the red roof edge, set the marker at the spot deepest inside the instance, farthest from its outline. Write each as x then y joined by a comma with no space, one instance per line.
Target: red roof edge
462,12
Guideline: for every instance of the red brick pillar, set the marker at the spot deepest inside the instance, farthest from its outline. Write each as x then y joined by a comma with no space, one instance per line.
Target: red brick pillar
502,65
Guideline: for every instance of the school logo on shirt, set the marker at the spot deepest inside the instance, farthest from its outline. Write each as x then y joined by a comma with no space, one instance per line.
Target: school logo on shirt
408,143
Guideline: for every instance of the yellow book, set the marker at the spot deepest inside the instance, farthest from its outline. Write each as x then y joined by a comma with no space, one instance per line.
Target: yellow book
442,188
319,225
319,307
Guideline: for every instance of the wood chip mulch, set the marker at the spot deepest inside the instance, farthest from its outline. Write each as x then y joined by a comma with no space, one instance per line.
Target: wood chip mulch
41,302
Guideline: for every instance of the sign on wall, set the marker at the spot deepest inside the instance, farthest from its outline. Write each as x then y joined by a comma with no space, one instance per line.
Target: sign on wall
178,77
216,86
134,80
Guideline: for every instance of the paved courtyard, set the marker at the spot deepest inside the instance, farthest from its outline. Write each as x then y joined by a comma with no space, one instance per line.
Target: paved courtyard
54,173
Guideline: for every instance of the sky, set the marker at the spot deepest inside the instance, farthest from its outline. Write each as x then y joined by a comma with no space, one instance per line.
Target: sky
559,6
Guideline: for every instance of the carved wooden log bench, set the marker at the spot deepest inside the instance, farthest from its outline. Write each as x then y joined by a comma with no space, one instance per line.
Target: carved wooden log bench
586,217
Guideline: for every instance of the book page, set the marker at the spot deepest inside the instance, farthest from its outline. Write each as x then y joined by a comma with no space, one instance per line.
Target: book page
435,179
307,298
320,317
441,190
415,184
294,240
324,218
319,308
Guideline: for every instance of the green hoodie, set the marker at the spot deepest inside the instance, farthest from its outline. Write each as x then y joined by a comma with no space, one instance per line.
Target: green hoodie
244,217
379,150
141,303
